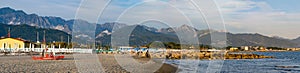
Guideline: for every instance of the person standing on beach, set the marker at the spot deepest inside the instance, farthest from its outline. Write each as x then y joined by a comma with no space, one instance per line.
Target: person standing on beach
44,52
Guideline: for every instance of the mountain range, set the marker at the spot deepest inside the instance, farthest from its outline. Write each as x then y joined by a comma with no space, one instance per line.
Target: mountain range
33,34
18,17
140,35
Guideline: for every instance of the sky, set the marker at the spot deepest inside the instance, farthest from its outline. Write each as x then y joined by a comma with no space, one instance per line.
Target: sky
267,17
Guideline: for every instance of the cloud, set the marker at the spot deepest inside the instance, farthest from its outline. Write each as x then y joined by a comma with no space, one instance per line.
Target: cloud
148,10
259,17
229,6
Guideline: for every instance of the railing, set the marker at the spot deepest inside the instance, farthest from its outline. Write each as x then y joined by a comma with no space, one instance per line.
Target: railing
82,50
63,50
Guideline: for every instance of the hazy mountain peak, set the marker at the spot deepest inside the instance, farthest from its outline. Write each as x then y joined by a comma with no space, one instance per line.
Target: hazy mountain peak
6,10
278,37
186,26
297,40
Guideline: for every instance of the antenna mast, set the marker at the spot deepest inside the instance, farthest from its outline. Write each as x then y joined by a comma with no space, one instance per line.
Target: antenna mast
68,41
8,34
37,37
44,39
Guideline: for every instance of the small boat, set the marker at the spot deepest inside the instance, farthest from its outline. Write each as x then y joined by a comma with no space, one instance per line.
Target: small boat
47,57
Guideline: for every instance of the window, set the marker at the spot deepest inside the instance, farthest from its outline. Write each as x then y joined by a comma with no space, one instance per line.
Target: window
4,45
9,46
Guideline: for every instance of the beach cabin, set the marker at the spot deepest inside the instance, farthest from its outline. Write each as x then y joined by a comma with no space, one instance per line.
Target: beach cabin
12,43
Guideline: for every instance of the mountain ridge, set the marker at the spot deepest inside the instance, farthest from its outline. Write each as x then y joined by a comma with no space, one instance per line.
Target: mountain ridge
16,17
143,34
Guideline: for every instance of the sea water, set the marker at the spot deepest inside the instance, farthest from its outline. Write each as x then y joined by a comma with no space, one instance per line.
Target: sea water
284,62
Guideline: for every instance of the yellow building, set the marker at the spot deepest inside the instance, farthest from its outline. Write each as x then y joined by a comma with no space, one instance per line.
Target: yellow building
234,49
12,43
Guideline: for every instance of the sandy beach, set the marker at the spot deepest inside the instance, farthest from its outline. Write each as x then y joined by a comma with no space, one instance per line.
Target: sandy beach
67,65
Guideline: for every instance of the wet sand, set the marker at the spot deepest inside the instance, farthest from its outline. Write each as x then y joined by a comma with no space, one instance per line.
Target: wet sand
67,65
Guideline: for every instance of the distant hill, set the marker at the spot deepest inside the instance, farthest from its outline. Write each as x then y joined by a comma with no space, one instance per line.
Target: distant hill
297,40
30,33
258,40
246,39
